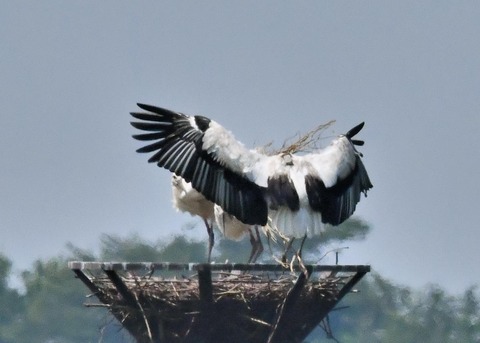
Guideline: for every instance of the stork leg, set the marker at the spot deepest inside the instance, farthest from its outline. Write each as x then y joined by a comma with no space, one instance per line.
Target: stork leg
211,239
253,242
301,245
257,246
287,248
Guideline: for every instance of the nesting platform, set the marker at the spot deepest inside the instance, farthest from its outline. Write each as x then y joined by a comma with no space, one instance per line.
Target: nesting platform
172,302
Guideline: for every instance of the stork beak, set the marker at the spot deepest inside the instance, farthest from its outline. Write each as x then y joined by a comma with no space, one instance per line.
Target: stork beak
354,131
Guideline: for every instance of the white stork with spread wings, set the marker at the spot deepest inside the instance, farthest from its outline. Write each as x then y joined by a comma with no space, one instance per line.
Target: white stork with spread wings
296,195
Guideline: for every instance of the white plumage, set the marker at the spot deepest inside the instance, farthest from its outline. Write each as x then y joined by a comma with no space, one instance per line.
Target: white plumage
296,195
231,227
234,229
187,199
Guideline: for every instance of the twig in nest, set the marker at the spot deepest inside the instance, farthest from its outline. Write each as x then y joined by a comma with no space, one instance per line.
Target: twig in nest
96,305
259,321
175,290
325,325
279,261
245,301
147,325
306,142
294,257
302,266
191,325
125,317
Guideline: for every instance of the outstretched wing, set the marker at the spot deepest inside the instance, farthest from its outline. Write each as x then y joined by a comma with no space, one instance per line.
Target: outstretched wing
337,178
205,154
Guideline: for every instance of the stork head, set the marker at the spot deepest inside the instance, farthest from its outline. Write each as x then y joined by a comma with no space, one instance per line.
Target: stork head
179,183
287,159
176,180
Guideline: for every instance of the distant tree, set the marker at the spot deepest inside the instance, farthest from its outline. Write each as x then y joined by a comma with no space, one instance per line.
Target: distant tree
11,304
53,311
385,312
353,229
313,249
436,315
183,250
135,249
468,329
369,312
131,249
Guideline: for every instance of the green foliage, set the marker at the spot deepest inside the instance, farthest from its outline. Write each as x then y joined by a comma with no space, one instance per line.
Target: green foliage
182,250
132,249
384,312
352,229
469,317
11,304
53,310
136,249
313,248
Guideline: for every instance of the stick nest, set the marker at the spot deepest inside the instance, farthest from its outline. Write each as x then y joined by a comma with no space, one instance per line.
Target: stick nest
236,286
243,309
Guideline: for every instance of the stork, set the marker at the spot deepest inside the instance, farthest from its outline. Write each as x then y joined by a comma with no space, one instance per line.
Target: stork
234,229
296,195
187,199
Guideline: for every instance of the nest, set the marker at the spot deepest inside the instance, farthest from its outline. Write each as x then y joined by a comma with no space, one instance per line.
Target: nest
218,305
245,287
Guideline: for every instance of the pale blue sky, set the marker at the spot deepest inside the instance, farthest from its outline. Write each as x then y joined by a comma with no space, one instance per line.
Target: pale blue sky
71,71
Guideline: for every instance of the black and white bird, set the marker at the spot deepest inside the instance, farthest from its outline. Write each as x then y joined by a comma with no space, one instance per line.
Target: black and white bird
235,230
295,194
187,199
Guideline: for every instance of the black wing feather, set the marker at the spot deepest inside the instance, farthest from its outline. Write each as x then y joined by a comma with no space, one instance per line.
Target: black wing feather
337,203
178,148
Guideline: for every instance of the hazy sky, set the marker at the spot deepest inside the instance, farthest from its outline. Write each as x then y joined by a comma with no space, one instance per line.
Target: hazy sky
70,72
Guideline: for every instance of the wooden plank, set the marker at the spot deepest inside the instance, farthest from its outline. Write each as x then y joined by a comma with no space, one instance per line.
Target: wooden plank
168,266
152,332
329,306
278,333
127,296
94,289
86,280
350,284
205,283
